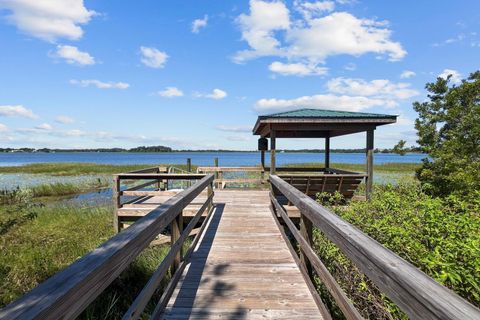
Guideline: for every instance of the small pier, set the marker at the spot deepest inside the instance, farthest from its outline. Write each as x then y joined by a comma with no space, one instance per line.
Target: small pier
241,267
243,253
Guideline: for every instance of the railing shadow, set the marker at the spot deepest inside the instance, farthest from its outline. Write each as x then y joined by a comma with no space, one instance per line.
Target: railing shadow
186,298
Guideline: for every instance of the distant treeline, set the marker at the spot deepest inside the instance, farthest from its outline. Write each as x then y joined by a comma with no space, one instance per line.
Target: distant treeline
168,149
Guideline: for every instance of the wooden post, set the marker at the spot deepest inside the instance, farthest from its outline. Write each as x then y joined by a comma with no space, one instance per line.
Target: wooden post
116,203
176,228
306,230
369,153
209,193
262,159
215,164
159,182
189,169
327,151
272,151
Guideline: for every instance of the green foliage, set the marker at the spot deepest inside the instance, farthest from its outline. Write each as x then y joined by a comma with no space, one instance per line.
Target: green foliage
56,236
448,127
36,249
439,236
399,148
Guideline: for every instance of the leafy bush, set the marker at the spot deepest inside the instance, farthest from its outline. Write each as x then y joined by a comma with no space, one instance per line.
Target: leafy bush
448,128
439,236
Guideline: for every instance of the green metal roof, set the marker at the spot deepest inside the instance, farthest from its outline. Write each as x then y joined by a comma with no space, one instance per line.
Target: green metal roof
320,113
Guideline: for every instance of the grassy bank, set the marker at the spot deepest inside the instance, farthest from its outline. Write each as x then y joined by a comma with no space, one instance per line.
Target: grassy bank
385,167
37,241
21,195
73,169
439,236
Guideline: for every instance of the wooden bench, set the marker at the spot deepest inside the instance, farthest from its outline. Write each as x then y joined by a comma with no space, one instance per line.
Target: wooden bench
311,184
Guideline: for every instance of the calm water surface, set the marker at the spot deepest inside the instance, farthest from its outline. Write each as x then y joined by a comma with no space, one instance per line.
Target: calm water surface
198,158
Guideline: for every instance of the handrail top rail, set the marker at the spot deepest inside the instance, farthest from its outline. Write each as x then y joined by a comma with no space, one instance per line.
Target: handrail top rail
67,293
158,169
320,175
172,176
225,169
419,295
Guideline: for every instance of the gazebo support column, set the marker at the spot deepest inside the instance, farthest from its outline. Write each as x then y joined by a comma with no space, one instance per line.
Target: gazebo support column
369,151
327,152
262,159
272,151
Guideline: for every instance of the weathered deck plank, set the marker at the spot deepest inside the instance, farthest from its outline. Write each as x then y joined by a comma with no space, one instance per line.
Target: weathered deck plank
241,268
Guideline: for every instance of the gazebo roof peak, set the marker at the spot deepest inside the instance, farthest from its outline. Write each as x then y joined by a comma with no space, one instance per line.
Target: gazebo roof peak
324,113
319,123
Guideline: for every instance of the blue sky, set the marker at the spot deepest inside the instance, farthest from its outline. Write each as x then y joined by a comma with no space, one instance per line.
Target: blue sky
196,74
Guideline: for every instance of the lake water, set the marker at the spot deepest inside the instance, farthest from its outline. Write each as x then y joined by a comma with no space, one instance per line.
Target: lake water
198,158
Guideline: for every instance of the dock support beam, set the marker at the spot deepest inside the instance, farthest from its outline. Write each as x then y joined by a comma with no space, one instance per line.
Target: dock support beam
327,151
369,153
272,151
262,158
116,203
306,230
176,229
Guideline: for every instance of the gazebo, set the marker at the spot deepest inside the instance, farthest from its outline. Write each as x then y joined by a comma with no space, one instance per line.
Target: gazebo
316,123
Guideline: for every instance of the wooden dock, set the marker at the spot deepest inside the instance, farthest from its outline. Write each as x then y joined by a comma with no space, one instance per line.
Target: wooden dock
241,267
239,264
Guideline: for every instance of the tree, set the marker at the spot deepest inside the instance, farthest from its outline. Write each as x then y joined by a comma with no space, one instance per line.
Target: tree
448,128
399,148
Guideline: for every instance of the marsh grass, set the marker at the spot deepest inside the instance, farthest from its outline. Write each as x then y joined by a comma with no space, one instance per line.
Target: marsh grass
23,195
73,169
55,237
384,167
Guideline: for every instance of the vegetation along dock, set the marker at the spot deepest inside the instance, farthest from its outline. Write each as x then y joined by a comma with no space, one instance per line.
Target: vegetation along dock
242,248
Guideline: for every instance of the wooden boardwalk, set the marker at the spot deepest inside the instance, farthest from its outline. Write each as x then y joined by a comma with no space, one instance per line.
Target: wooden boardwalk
242,267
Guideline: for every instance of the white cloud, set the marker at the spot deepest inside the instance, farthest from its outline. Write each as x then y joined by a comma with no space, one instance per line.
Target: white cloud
312,9
456,77
44,126
48,19
379,88
322,101
345,94
234,128
350,66
259,26
64,120
3,128
297,69
72,55
343,33
170,92
239,138
402,120
198,24
216,94
100,84
269,31
153,58
17,111
75,133
407,74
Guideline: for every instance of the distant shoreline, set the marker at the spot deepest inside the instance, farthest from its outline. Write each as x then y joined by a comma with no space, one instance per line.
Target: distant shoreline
23,150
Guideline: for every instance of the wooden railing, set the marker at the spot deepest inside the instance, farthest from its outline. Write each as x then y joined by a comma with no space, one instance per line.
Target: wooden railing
66,294
221,181
413,291
153,182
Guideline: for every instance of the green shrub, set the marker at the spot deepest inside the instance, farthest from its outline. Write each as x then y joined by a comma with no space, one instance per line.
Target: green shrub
439,236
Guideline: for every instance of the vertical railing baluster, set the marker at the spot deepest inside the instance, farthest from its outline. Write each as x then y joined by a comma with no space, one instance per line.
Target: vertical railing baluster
306,230
116,203
176,228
